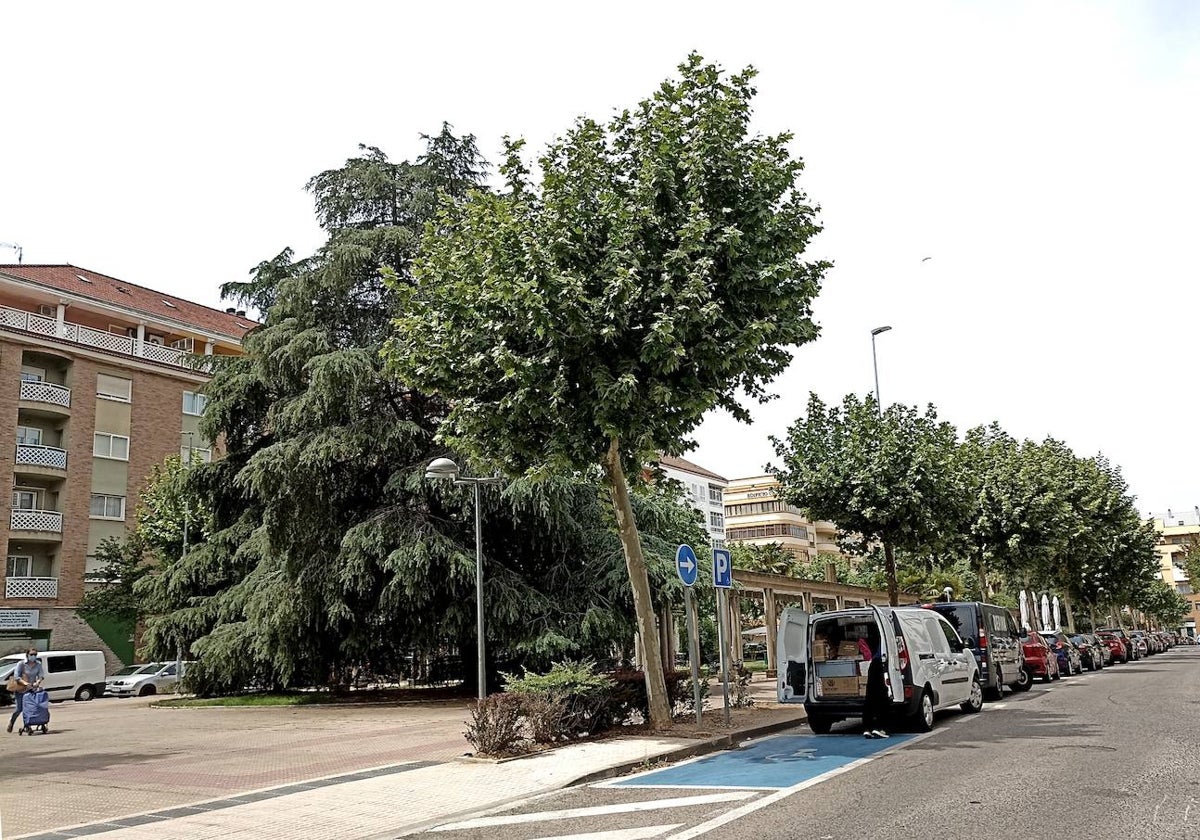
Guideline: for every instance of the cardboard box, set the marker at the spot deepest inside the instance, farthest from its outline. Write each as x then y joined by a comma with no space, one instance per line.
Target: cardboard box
839,686
864,665
847,649
836,668
820,650
862,686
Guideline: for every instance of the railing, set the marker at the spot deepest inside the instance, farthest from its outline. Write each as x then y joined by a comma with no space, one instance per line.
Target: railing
24,519
18,319
46,392
41,456
31,587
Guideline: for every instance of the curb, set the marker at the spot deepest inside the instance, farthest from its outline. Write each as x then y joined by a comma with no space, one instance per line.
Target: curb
709,745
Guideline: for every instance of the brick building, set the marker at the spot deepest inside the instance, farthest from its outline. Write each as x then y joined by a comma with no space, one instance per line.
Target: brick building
99,381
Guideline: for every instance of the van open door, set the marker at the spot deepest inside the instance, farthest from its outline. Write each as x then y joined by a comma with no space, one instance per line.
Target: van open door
792,654
895,652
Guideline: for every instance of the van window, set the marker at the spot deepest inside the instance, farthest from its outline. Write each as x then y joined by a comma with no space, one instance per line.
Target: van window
58,664
952,639
934,628
961,618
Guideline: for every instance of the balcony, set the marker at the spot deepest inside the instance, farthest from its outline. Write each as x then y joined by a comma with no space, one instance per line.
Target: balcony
47,395
41,457
31,587
39,521
121,345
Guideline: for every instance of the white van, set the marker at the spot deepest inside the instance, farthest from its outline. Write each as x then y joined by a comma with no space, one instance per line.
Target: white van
70,674
928,667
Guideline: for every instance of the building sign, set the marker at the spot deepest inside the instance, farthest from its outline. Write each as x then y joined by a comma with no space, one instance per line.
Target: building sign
18,619
760,494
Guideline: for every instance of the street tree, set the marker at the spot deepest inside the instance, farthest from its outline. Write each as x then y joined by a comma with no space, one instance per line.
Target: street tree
593,317
887,478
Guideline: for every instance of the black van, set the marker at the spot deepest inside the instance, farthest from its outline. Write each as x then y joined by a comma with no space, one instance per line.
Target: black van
992,635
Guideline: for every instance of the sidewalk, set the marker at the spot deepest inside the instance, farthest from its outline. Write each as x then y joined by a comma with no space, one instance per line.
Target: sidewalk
406,797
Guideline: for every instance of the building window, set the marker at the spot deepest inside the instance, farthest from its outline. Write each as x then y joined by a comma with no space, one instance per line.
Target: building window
194,403
756,532
716,520
714,494
29,436
107,507
32,374
105,445
194,454
113,387
718,543
750,508
18,566
24,499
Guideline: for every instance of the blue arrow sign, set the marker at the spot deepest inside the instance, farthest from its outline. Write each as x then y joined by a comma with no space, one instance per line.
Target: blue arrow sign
686,564
722,568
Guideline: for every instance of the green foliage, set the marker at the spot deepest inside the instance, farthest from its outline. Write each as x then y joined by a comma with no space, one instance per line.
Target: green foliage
571,700
630,697
739,696
122,565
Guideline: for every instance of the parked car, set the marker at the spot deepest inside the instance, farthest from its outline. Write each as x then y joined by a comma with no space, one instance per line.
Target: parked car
70,674
144,680
1141,643
992,636
1040,660
1069,660
1132,650
1092,651
1115,645
928,666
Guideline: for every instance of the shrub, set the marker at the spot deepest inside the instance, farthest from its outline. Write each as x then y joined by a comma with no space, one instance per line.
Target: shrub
689,700
629,693
572,692
496,727
741,698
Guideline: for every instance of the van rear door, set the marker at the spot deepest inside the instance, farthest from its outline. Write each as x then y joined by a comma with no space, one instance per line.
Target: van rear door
884,618
792,654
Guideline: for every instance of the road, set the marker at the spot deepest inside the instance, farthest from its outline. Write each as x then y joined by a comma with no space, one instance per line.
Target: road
1114,754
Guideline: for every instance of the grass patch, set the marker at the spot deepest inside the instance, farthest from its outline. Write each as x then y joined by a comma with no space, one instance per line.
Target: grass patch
319,698
756,665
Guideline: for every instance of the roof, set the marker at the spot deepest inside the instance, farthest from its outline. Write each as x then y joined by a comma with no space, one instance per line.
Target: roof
110,290
687,466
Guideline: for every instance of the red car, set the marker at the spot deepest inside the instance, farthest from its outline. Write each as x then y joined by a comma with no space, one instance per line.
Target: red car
1119,653
1040,659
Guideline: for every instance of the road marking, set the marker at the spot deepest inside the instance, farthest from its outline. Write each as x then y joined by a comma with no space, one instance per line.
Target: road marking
596,811
618,834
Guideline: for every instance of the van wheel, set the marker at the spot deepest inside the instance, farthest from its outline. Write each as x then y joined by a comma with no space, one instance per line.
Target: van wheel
974,703
923,719
146,691
996,692
85,693
819,724
1024,680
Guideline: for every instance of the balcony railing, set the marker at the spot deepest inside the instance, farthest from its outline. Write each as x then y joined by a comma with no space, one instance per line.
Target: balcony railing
18,319
41,456
46,392
24,519
31,587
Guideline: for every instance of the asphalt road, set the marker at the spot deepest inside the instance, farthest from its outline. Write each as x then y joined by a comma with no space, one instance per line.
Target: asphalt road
1114,754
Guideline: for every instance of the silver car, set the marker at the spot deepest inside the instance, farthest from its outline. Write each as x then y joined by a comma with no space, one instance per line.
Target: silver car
144,680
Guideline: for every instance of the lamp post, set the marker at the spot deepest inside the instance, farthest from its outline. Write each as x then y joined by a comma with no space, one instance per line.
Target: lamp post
444,468
949,590
875,364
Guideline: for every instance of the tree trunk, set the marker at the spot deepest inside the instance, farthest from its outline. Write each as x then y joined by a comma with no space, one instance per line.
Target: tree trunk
983,581
639,581
889,566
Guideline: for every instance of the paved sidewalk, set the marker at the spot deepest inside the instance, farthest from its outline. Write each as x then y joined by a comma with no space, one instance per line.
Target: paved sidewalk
401,797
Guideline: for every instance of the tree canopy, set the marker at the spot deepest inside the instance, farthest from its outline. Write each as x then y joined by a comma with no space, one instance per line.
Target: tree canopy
593,316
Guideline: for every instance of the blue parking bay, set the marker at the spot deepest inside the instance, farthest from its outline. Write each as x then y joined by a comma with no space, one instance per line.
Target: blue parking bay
773,763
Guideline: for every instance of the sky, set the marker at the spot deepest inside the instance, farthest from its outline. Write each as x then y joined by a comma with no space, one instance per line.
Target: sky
1045,156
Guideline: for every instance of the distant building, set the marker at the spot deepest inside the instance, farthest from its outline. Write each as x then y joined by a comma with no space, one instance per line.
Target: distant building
705,492
756,515
1177,529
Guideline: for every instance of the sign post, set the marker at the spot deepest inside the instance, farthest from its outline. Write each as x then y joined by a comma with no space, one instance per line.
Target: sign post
722,581
688,567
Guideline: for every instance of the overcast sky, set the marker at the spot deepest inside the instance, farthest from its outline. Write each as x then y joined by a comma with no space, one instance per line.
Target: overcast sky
1044,155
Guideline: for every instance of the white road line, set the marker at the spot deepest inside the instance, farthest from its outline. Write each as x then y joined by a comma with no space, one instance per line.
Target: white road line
618,834
597,811
771,799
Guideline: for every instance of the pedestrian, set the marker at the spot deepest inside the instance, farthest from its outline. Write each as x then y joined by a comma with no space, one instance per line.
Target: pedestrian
875,704
27,677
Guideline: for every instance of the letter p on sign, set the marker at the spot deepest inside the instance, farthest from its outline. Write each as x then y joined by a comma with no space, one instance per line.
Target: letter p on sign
722,568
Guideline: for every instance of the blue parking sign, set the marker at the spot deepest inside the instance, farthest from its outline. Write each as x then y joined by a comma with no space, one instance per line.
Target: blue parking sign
722,568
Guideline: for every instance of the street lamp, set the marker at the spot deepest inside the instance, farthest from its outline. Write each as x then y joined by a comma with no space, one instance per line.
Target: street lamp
444,468
875,363
949,590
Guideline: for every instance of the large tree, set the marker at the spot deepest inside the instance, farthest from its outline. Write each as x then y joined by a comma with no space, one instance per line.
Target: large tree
883,477
593,317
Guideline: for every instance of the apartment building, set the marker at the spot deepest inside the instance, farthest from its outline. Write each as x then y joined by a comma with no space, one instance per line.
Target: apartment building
100,380
755,514
705,492
1178,529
